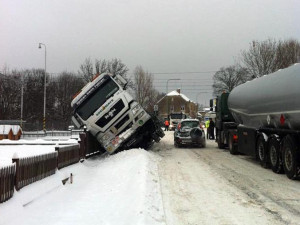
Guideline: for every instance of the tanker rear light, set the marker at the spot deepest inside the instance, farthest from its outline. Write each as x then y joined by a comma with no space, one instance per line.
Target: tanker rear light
235,137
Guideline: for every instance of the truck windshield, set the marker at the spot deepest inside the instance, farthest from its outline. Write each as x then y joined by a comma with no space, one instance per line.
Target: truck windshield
95,100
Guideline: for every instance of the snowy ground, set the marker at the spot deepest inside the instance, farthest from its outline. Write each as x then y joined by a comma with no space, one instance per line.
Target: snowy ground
166,185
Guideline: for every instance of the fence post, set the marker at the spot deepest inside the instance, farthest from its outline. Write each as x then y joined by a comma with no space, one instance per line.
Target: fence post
15,159
57,158
83,143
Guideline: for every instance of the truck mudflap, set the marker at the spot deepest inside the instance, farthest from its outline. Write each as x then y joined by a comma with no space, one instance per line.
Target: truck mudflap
145,135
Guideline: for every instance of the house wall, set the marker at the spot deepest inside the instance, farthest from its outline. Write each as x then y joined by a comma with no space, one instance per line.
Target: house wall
176,104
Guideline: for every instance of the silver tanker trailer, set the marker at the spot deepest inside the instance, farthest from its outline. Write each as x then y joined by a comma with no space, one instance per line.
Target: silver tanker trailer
261,118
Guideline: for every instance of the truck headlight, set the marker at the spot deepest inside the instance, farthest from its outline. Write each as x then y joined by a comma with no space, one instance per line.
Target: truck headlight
136,109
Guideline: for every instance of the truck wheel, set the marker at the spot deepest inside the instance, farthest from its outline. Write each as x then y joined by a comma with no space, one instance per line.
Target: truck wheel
232,148
275,158
261,149
290,158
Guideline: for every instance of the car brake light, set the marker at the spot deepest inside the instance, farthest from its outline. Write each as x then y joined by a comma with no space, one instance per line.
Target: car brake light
179,126
235,137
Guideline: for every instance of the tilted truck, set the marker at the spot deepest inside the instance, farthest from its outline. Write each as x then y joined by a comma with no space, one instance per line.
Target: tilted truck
261,118
113,117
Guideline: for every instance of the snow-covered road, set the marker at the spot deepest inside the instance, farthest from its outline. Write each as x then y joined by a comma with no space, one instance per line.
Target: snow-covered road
210,186
165,185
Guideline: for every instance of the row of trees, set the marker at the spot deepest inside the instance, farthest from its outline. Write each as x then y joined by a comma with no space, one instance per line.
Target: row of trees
28,86
261,58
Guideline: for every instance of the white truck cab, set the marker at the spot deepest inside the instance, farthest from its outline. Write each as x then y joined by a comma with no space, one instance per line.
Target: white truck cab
110,113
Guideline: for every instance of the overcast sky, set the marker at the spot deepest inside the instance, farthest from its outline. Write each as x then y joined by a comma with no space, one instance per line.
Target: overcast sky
163,36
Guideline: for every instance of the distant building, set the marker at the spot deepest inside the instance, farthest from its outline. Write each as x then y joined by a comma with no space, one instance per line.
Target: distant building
11,132
176,102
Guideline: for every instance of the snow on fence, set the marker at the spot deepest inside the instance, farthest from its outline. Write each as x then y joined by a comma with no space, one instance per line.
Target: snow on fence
7,180
32,169
67,155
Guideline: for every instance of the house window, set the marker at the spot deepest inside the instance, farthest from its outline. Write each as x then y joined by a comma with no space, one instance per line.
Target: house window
182,107
172,108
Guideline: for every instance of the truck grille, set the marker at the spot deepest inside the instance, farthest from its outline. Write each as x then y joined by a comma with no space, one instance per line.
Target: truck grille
115,110
124,120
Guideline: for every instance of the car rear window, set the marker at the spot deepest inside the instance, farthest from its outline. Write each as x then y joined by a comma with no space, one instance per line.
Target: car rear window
190,124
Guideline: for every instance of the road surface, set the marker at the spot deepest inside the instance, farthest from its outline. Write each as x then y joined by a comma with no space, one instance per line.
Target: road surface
211,186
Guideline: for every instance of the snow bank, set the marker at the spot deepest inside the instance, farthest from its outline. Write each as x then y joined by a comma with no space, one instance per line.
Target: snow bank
118,189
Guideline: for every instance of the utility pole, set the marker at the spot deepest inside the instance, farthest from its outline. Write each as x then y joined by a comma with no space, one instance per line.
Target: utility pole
44,118
22,94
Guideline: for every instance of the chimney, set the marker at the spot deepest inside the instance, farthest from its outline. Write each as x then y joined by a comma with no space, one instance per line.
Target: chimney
178,90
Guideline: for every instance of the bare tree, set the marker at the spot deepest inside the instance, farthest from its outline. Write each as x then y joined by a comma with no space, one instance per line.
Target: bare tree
260,59
113,66
86,70
287,53
268,56
100,66
66,86
116,67
228,78
10,95
144,91
143,86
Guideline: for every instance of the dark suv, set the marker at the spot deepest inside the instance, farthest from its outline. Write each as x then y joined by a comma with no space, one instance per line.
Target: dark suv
189,133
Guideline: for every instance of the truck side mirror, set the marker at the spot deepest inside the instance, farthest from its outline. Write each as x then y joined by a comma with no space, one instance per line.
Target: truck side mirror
211,104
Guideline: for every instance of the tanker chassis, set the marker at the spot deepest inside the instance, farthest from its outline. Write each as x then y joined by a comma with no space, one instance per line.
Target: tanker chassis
261,118
113,117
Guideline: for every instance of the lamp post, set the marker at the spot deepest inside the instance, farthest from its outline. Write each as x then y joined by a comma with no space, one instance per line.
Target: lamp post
167,94
44,118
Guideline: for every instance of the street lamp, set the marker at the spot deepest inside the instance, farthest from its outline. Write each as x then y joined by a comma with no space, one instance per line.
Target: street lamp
44,118
167,94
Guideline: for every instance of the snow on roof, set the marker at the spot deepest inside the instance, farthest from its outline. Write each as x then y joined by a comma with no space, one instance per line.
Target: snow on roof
175,93
16,129
4,129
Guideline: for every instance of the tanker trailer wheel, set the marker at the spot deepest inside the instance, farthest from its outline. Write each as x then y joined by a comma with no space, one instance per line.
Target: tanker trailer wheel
290,157
275,156
232,148
261,149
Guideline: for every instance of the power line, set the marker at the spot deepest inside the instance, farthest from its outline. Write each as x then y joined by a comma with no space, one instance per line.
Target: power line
184,72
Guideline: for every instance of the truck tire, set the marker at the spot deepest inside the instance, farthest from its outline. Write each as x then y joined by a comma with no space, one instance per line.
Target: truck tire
290,157
262,152
275,156
232,148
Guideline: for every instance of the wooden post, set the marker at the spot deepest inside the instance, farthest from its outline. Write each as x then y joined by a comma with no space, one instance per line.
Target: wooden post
17,176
